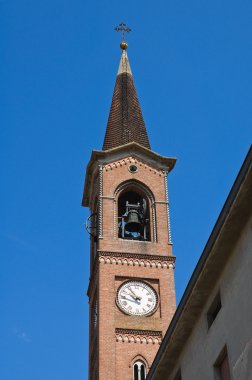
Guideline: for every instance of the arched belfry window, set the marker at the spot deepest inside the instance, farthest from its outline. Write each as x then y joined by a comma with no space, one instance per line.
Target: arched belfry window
139,370
133,215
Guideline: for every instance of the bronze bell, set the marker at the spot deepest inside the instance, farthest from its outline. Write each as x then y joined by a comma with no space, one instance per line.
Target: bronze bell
133,223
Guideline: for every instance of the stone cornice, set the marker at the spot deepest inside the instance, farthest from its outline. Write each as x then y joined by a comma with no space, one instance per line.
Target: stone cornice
138,336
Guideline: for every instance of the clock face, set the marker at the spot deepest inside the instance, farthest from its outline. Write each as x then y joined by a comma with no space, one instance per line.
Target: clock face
137,298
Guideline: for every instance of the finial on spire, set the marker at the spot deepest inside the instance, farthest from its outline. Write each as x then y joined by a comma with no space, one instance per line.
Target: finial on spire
122,28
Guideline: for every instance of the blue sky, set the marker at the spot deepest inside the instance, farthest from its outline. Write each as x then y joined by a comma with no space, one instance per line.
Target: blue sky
191,62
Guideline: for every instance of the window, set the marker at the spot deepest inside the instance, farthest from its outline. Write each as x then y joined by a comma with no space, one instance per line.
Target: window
139,370
214,310
222,366
133,215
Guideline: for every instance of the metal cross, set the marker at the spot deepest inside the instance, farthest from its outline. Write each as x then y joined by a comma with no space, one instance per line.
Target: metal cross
122,28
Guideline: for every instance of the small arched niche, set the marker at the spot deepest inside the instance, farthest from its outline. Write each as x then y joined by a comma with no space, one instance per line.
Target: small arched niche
133,213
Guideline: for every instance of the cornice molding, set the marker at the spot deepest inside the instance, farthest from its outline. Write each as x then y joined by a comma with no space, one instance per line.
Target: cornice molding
138,336
135,259
132,159
130,259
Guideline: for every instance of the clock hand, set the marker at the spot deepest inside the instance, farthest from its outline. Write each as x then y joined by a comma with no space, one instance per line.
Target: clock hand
136,297
132,292
130,300
131,295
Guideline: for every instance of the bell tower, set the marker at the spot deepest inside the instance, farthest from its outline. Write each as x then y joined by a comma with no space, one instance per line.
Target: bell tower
131,290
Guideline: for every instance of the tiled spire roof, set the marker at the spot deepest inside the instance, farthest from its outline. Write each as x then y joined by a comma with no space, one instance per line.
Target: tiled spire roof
125,123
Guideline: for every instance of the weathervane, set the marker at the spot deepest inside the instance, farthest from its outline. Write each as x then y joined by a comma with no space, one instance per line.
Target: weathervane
122,28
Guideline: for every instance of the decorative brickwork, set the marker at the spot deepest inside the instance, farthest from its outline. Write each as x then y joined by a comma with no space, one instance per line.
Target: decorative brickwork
133,160
168,208
100,217
138,336
149,261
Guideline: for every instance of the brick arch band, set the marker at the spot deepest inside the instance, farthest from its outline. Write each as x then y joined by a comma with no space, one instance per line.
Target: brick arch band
140,358
144,189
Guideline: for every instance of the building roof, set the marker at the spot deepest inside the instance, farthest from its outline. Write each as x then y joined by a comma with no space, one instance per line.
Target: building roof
125,122
230,223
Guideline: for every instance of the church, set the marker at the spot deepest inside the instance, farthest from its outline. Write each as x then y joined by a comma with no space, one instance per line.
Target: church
135,330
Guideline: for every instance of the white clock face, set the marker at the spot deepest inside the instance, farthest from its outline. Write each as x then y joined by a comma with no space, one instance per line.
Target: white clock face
136,298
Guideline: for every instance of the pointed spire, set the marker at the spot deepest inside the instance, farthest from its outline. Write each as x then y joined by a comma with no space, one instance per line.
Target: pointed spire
124,66
125,123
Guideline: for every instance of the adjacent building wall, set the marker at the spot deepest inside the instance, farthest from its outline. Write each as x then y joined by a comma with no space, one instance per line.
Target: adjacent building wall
233,324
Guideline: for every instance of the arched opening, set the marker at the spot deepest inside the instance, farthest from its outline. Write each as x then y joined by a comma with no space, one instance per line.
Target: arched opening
139,370
133,215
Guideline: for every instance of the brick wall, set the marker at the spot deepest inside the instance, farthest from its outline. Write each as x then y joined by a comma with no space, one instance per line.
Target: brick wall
121,338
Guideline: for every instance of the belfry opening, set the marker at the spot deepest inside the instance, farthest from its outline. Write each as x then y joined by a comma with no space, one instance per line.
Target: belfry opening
133,216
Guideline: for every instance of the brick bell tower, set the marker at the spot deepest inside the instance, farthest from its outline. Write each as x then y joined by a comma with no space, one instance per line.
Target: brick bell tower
131,290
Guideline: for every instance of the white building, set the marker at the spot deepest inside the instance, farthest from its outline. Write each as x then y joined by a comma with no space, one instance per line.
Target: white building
210,336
